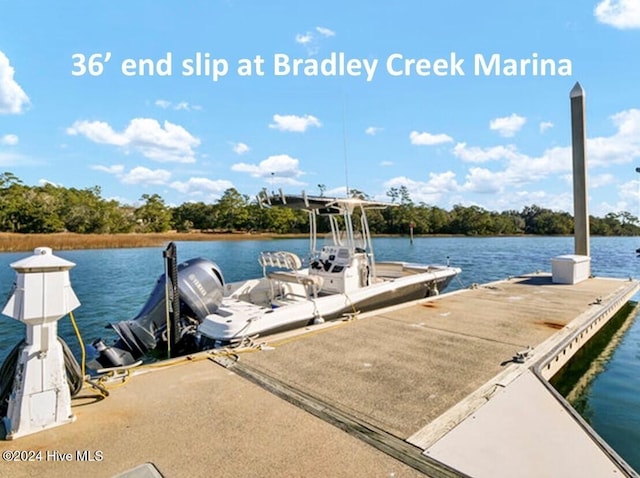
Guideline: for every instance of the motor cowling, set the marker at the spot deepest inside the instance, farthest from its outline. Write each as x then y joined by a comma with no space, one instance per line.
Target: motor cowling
200,287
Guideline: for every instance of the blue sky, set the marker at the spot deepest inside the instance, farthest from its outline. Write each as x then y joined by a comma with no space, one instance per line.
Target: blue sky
494,137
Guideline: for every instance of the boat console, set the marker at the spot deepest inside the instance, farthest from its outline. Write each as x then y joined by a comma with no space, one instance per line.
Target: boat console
341,268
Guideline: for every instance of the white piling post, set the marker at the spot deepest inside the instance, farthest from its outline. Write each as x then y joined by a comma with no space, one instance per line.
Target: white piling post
578,141
42,295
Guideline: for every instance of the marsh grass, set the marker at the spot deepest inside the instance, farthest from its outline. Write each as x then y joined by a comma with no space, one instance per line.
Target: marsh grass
10,242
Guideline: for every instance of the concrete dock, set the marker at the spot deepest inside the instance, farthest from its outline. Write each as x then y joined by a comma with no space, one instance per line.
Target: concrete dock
454,385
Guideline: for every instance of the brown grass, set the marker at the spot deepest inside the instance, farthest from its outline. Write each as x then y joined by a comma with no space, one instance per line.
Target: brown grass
10,242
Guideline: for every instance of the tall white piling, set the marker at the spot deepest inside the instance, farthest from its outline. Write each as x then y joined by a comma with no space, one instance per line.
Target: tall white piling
578,141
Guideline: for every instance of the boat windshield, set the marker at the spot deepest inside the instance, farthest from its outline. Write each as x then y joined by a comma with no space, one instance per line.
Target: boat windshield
341,239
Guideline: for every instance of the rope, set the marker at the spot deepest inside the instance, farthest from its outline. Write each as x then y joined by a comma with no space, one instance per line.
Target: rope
97,385
462,285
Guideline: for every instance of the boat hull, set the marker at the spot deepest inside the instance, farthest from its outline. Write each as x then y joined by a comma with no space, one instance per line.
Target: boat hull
234,321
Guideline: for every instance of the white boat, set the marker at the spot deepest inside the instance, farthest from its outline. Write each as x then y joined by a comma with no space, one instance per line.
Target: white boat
339,277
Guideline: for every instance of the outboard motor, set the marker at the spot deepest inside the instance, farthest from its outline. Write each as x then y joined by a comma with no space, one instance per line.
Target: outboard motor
200,286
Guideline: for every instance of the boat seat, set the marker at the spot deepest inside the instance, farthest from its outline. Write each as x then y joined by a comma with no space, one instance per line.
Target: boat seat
280,259
297,277
289,265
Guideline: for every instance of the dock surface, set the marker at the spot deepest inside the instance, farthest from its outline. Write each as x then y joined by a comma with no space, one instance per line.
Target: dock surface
429,388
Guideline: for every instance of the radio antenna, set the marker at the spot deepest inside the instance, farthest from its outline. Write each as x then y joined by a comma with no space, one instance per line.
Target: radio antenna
344,143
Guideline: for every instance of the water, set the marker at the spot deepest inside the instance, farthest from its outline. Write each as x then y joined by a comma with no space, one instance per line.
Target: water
113,284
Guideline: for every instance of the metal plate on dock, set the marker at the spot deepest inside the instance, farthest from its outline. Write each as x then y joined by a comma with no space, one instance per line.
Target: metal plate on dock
146,470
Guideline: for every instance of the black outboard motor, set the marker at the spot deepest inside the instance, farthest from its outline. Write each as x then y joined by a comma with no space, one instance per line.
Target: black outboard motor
200,286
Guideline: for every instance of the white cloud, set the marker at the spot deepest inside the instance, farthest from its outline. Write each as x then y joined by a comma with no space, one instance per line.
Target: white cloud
340,191
304,39
9,140
386,164
325,32
621,148
521,168
628,202
182,105
98,132
137,175
163,143
598,181
428,139
503,183
115,169
545,125
13,99
622,14
518,169
515,169
293,123
44,182
142,175
630,192
484,181
196,186
241,148
439,186
508,125
282,169
628,122
311,39
475,154
516,200
373,130
199,186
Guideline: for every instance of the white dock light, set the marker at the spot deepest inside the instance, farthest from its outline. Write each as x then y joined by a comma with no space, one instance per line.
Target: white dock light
42,295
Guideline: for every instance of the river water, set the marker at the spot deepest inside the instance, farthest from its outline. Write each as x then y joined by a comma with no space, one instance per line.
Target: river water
113,284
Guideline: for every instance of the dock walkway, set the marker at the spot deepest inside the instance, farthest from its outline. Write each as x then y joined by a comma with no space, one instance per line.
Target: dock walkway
429,388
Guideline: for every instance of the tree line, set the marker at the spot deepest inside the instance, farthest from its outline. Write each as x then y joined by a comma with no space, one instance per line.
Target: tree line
50,208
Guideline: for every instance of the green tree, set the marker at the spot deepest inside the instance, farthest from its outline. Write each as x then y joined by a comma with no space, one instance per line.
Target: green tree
12,200
232,210
84,211
471,221
119,218
35,210
399,218
153,215
194,215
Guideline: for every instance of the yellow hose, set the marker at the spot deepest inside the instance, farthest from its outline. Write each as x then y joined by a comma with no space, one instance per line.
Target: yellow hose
84,356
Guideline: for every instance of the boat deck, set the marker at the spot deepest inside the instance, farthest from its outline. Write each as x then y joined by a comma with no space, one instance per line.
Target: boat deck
428,388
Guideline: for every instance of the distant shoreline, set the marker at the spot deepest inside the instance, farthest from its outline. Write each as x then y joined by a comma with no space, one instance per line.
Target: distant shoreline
18,242
12,242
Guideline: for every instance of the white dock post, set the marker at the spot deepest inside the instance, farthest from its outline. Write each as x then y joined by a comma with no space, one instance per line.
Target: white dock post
579,140
42,295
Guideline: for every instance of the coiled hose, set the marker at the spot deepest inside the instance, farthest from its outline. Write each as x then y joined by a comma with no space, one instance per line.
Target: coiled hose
10,364
7,375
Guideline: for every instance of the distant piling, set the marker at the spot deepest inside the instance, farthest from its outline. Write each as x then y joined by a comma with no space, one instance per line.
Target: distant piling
578,140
